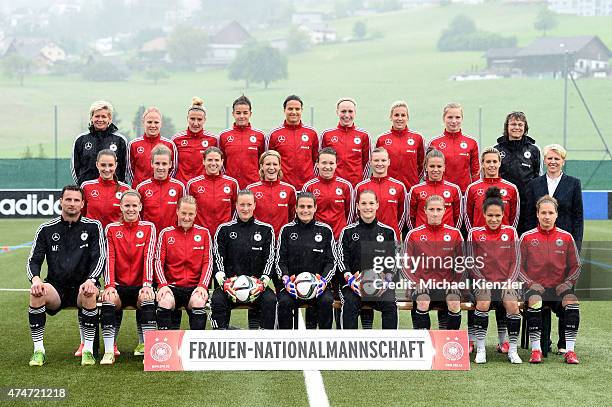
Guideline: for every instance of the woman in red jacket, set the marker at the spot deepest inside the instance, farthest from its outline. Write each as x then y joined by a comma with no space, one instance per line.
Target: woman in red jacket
102,195
460,150
405,147
550,267
434,281
192,143
128,276
183,264
494,248
434,184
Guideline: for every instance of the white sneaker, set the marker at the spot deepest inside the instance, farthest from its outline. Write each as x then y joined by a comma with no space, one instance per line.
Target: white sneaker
481,356
108,358
513,357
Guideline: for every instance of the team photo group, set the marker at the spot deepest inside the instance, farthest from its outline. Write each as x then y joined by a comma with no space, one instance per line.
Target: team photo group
298,218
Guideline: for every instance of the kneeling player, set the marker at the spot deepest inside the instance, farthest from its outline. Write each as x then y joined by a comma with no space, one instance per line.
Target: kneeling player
305,245
550,268
183,266
73,246
496,246
244,246
434,280
360,242
129,271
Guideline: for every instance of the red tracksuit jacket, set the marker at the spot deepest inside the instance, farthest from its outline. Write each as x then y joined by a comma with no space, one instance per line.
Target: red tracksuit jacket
498,250
352,146
130,251
184,258
139,158
242,147
191,147
216,196
275,203
428,242
335,202
475,196
407,152
391,196
549,258
461,157
452,202
298,146
160,200
102,200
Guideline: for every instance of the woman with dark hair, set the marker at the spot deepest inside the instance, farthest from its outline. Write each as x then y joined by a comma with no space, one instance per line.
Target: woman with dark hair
521,161
496,244
242,145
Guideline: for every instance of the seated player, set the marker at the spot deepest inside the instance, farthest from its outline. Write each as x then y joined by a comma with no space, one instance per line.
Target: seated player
360,242
243,246
74,248
129,271
550,267
496,245
305,245
214,192
432,241
183,266
101,202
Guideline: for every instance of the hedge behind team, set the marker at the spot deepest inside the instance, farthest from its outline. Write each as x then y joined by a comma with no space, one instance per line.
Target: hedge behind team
515,144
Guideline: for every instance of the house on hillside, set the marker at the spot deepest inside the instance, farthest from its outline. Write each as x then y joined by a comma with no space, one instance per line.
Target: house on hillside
225,44
319,33
582,7
154,51
547,56
42,52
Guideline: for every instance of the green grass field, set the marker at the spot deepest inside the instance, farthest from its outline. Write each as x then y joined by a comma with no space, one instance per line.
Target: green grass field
497,383
403,64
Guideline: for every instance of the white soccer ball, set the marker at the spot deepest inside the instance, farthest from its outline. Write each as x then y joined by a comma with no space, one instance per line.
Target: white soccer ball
243,285
371,283
305,285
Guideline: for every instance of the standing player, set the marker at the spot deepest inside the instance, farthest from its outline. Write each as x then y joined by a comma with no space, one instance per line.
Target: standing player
490,161
183,265
296,142
192,143
160,193
275,199
550,267
460,150
405,147
242,145
102,195
360,242
352,144
434,184
102,135
334,194
139,149
496,245
521,159
431,241
214,192
391,193
128,276
74,248
305,245
243,246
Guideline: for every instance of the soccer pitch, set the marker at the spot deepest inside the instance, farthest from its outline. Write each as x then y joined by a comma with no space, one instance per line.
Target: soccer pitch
125,383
